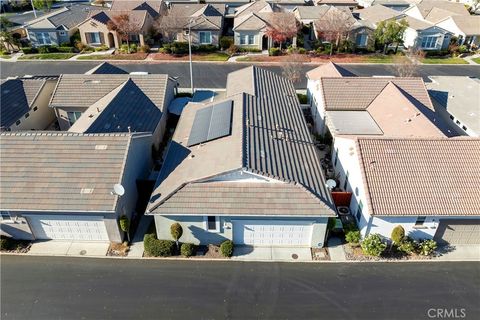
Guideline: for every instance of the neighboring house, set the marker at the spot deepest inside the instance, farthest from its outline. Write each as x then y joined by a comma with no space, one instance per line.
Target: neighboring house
205,22
244,168
420,34
465,28
252,22
435,10
290,5
106,68
105,103
95,30
57,26
418,183
25,103
458,100
350,4
360,34
398,5
59,185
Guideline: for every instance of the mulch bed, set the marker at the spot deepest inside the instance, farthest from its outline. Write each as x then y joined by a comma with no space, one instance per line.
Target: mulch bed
356,253
118,249
323,58
209,252
320,254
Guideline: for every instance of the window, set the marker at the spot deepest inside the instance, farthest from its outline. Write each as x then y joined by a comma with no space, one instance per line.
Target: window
336,157
247,39
35,108
73,116
27,115
362,40
43,38
93,37
205,37
18,122
464,128
358,215
429,42
420,221
212,223
6,216
345,184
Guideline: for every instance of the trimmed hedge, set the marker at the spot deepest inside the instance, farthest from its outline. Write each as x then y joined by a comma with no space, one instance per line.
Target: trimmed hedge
188,249
226,248
274,52
29,50
158,248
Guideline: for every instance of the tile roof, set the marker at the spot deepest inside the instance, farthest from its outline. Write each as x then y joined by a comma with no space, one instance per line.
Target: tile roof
421,177
125,109
205,16
81,90
269,138
329,69
470,25
17,96
253,7
70,16
106,68
377,13
61,172
337,2
426,6
357,93
152,7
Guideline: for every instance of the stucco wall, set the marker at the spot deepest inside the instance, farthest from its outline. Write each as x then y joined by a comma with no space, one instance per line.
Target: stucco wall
194,228
18,229
317,108
258,38
62,116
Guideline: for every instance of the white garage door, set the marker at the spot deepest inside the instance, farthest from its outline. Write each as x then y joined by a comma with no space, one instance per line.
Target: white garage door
89,228
272,233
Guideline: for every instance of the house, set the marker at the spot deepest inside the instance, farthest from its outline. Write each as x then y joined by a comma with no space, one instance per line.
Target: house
360,32
25,103
95,30
108,103
417,183
244,168
57,26
453,99
420,34
465,28
350,4
436,10
204,21
59,185
397,5
253,21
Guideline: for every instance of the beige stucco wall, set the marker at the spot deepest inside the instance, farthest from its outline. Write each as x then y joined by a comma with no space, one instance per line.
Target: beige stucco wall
258,39
94,26
62,116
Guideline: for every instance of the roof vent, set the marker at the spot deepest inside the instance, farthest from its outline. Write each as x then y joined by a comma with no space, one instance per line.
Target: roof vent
101,147
86,191
91,81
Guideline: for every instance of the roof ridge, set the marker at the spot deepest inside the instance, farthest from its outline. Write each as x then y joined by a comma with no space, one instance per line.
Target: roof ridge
363,175
61,133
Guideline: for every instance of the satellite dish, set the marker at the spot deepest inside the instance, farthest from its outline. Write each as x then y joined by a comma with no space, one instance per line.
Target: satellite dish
118,190
331,183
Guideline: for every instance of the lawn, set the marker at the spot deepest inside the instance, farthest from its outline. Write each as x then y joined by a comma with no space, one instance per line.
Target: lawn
441,60
132,56
47,56
213,56
378,59
476,60
5,56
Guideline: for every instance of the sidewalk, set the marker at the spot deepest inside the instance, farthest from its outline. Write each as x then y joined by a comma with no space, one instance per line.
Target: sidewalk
95,53
136,248
69,248
469,59
335,250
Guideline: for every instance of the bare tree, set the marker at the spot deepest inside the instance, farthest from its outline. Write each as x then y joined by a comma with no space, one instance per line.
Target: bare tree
169,26
292,67
334,26
281,27
407,65
124,27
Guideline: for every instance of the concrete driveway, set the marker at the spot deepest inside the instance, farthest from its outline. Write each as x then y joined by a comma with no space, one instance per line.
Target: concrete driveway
459,253
247,253
69,248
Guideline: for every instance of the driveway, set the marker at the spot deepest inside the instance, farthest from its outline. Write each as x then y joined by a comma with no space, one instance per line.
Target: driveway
69,248
247,253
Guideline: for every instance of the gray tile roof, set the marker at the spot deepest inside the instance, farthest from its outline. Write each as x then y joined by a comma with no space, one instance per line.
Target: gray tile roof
79,90
269,138
106,68
205,16
64,172
377,13
17,95
72,17
421,177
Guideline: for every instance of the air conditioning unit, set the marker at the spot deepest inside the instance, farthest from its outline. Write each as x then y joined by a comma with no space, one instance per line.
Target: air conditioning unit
343,211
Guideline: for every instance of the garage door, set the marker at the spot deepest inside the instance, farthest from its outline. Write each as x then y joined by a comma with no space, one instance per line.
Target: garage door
89,228
272,233
458,231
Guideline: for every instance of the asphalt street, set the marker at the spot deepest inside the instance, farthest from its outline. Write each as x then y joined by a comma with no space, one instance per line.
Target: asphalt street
84,288
214,75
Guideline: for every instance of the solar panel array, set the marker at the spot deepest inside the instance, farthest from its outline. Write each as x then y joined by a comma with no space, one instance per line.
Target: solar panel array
211,123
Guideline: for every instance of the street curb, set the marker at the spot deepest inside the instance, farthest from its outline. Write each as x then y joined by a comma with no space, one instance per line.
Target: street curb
233,260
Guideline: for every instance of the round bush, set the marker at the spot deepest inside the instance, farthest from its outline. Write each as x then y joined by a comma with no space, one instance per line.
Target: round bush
427,247
407,246
226,42
398,234
226,248
188,249
158,248
373,245
274,52
353,237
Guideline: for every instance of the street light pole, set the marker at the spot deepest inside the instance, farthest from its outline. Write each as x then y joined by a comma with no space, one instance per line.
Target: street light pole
190,52
33,7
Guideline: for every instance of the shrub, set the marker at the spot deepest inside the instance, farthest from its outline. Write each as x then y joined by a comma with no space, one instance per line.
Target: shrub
349,227
66,49
80,45
462,49
75,38
123,48
103,47
373,245
164,50
176,231
331,223
247,49
133,48
301,51
145,48
232,50
188,249
226,248
29,50
398,234
226,42
5,243
206,48
125,225
302,98
407,246
353,237
47,49
158,248
179,47
427,247
274,52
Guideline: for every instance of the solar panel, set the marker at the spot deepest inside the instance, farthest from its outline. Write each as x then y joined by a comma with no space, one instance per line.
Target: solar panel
211,123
